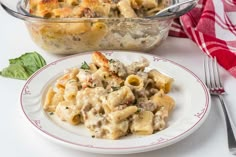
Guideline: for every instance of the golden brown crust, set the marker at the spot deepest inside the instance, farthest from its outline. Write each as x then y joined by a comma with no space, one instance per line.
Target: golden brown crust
100,60
91,8
43,8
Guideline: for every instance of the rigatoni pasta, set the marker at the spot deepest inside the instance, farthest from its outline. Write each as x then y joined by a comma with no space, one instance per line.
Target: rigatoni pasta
93,8
112,99
161,81
83,25
67,111
134,82
142,123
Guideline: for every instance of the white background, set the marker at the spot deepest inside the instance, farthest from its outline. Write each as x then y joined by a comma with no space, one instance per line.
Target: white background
19,139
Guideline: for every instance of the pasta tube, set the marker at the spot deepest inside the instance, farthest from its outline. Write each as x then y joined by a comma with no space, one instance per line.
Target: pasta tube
61,82
126,9
69,112
161,81
115,130
99,59
142,123
122,96
159,119
52,99
134,82
149,3
71,89
72,2
121,115
163,100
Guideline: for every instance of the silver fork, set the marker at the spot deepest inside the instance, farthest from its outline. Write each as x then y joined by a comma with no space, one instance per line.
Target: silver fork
213,82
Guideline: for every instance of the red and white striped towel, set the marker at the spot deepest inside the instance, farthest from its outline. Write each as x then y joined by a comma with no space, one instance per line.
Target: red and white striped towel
212,26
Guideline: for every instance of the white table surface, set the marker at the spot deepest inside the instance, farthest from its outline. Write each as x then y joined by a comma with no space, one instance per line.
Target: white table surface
19,139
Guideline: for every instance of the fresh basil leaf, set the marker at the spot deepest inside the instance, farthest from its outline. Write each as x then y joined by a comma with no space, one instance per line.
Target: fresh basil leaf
16,71
32,61
24,66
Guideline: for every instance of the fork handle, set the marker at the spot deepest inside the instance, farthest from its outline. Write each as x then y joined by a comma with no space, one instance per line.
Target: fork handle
229,124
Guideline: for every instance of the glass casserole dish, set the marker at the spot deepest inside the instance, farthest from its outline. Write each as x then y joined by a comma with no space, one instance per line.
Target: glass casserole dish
74,35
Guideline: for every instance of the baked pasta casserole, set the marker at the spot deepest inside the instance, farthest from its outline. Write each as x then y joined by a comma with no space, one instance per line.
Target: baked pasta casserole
112,99
72,26
94,8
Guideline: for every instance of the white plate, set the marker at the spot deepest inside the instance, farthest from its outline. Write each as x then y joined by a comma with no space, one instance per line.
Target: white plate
191,96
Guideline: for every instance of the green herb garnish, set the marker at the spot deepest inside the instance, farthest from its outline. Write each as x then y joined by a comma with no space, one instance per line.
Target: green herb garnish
138,110
51,113
111,61
85,66
115,88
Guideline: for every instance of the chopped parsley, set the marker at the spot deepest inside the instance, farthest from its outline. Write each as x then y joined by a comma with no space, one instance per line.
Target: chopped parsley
112,61
138,110
51,113
115,88
85,66
67,107
71,80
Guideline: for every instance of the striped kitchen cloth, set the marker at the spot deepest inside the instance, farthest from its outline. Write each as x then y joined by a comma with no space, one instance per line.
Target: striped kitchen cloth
212,26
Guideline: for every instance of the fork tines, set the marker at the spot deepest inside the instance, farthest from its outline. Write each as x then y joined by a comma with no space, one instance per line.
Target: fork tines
212,75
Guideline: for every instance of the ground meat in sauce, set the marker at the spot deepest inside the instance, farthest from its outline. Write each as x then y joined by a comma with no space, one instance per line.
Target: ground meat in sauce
159,122
88,13
147,105
118,68
137,66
